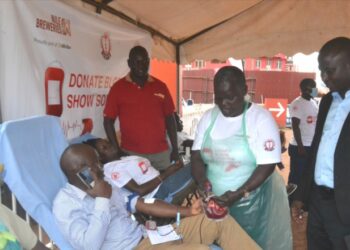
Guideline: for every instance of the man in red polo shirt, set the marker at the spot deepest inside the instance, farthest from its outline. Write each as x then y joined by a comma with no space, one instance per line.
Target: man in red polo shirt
146,112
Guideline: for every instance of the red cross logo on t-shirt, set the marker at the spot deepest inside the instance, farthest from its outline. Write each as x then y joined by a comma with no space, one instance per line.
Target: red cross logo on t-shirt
115,175
309,119
269,145
143,166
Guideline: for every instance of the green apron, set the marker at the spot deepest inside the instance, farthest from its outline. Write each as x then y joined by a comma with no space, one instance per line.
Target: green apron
264,214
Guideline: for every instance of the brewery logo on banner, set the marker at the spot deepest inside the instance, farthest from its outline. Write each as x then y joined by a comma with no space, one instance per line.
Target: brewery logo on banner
57,24
106,46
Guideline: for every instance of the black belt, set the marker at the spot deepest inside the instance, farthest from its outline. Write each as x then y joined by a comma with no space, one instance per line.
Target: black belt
325,192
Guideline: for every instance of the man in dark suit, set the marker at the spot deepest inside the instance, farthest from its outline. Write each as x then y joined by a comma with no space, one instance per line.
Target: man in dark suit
325,186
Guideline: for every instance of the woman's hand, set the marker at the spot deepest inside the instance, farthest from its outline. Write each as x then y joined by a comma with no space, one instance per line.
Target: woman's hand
228,198
297,211
205,189
197,207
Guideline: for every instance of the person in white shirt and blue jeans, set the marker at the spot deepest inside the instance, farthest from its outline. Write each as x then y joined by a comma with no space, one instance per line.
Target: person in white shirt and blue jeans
303,111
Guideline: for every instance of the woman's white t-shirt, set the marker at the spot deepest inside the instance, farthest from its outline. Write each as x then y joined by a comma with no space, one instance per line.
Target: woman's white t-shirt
128,168
262,132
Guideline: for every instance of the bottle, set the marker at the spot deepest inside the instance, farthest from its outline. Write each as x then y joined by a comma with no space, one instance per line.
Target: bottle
214,211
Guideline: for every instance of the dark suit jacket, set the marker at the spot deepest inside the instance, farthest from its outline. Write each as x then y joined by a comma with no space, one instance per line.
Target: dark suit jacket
341,164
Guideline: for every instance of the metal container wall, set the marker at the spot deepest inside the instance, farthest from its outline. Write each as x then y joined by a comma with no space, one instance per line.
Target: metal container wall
198,84
275,84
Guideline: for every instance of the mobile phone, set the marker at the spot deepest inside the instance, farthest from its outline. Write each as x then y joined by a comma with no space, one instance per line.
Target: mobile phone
85,176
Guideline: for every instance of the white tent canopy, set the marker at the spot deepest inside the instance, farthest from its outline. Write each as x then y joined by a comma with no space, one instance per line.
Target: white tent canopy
185,30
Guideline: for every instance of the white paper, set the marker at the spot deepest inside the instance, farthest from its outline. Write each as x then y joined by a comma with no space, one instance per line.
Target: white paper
54,92
162,234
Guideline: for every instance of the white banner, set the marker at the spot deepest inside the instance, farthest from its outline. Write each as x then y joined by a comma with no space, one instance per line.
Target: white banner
58,60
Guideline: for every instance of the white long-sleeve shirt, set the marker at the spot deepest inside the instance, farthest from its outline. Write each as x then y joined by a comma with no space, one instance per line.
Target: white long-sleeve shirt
95,223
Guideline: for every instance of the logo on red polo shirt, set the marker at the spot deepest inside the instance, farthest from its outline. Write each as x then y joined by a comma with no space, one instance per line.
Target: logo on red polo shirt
143,166
115,175
159,95
269,145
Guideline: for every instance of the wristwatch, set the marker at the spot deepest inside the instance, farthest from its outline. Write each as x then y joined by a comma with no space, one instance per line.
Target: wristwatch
246,193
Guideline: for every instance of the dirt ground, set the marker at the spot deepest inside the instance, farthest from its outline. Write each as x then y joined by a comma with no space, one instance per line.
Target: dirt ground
299,230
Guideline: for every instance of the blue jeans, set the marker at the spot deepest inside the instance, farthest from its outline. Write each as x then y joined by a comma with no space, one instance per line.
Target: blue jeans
174,183
297,163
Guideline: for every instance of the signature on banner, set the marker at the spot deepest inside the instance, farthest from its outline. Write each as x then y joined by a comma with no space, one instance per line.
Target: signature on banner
71,127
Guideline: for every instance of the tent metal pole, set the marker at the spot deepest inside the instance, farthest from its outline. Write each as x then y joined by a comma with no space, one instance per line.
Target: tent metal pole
0,114
104,6
103,3
177,49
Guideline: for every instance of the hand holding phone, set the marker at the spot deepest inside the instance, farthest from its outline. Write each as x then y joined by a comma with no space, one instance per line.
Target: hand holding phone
97,187
85,177
101,189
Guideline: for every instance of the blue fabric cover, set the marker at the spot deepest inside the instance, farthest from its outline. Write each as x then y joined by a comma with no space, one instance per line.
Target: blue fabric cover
82,138
215,247
30,151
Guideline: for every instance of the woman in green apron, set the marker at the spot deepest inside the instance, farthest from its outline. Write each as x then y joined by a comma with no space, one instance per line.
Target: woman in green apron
235,150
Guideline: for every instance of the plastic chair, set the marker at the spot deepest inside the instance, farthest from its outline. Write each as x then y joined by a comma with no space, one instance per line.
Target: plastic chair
30,152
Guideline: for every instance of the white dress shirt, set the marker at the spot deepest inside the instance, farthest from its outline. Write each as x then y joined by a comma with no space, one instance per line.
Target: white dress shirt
95,223
338,111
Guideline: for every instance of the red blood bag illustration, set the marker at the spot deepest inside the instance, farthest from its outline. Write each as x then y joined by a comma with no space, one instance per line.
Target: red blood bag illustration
88,126
53,91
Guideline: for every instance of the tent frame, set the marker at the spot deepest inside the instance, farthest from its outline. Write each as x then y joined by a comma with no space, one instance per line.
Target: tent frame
103,5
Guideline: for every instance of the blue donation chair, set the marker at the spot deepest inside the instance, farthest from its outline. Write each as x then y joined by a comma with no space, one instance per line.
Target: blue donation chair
30,151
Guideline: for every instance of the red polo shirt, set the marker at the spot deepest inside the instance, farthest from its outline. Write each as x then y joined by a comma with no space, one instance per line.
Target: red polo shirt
141,113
